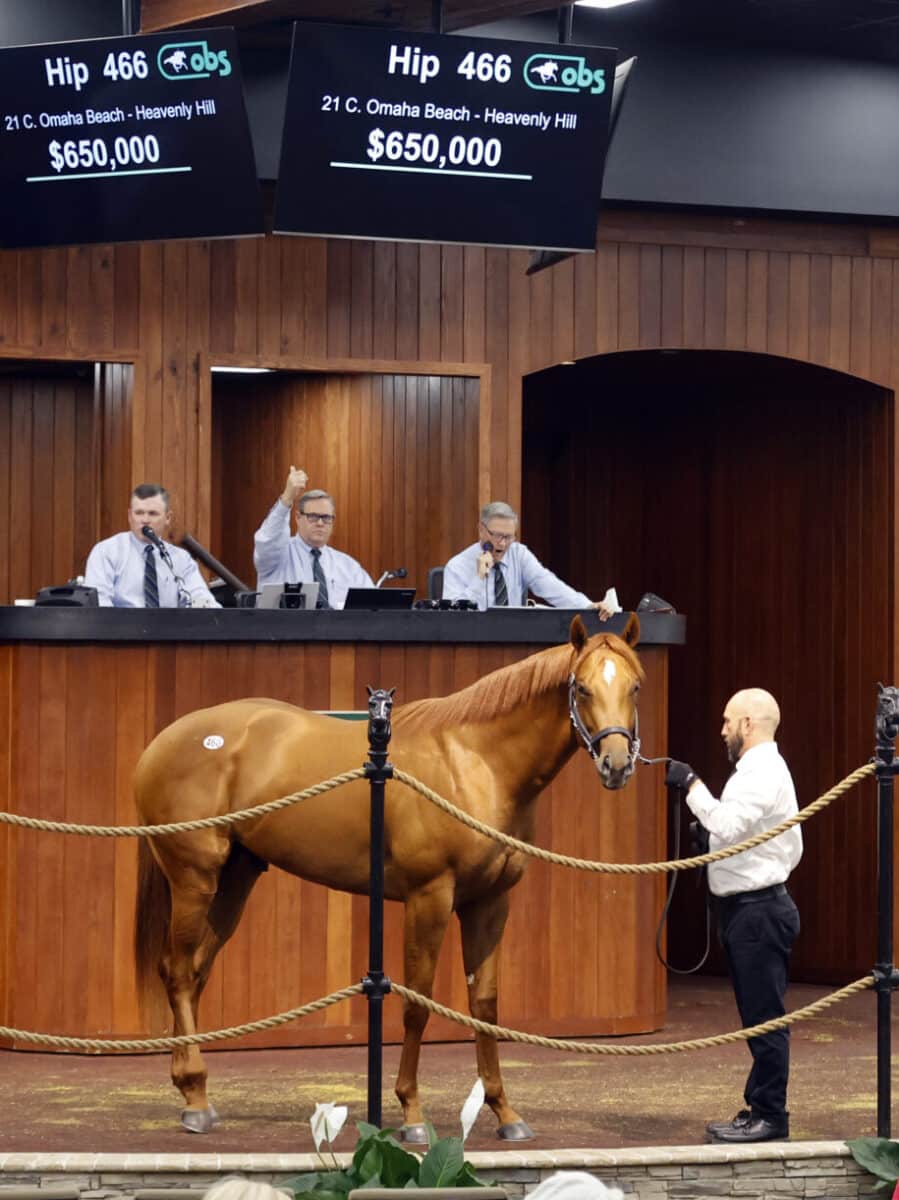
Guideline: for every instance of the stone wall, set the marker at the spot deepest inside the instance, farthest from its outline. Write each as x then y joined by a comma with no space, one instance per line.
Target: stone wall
772,1171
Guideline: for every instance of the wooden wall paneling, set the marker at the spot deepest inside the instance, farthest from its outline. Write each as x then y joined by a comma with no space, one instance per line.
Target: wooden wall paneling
694,296
50,268
339,297
29,304
6,459
362,299
384,300
269,299
429,302
408,272
792,598
562,278
860,329
798,327
474,308
9,287
715,298
452,308
223,288
819,308
246,290
840,312
650,307
881,317
735,299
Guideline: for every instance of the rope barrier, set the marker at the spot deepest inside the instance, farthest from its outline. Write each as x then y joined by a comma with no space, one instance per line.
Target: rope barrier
413,997
187,1039
678,864
244,814
721,1039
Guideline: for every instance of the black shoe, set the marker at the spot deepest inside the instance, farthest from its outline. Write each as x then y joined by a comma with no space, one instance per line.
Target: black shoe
743,1117
758,1129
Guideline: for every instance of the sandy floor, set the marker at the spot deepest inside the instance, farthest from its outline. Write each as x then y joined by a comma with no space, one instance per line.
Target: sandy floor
58,1102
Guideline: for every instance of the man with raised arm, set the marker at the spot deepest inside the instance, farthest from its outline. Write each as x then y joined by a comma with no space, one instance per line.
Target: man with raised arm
129,570
757,919
497,571
306,557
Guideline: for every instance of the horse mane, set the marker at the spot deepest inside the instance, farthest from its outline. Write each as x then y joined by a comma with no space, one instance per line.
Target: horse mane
507,688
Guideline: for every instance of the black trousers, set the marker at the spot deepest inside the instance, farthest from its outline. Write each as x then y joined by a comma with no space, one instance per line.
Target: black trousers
757,931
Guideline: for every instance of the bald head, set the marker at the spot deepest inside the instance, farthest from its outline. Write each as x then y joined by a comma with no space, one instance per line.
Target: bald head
750,718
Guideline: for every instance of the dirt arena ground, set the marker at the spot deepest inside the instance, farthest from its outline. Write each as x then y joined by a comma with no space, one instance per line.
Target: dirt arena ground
61,1102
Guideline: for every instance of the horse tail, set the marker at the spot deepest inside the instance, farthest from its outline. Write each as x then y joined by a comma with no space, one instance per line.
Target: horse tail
152,919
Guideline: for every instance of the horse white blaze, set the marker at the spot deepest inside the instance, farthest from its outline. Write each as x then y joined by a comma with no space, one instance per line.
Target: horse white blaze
609,671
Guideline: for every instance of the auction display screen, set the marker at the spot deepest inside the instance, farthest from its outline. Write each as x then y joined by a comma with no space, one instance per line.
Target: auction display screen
125,139
425,137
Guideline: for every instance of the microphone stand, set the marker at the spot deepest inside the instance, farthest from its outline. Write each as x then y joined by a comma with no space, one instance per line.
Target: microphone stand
184,597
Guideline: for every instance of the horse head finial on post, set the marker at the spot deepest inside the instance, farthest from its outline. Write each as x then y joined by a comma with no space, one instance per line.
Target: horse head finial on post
380,706
886,722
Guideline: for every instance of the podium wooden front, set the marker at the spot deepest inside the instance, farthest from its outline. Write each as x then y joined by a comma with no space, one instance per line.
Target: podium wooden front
82,691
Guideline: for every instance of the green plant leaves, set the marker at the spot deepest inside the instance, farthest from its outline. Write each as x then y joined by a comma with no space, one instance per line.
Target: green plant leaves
880,1156
442,1164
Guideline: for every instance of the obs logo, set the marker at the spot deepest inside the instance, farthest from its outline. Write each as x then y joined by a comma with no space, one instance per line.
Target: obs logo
192,60
563,73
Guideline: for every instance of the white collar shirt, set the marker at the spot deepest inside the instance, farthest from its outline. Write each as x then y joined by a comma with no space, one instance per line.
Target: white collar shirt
523,573
759,795
280,558
115,567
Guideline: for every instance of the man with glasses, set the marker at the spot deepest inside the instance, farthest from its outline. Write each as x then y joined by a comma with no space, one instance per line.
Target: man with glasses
306,557
498,571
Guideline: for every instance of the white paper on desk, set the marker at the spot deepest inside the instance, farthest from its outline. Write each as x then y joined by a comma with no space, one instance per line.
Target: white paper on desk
610,600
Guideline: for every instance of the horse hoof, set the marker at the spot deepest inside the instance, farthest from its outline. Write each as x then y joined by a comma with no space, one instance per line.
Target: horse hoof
517,1131
415,1134
199,1120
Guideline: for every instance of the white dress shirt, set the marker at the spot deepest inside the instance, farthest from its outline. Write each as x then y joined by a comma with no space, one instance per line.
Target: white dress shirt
115,567
280,558
523,572
758,796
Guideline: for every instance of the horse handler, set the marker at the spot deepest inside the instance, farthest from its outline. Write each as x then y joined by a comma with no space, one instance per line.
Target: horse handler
757,919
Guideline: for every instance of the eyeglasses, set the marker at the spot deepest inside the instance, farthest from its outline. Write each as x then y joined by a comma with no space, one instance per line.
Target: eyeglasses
319,518
500,537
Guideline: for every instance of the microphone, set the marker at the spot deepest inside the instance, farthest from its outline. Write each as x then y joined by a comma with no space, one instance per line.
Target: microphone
488,546
399,573
184,598
152,536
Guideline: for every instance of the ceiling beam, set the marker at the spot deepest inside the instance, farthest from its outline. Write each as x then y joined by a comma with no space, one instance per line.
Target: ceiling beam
170,14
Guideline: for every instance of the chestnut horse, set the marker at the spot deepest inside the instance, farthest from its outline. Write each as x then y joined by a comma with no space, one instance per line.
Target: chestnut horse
490,749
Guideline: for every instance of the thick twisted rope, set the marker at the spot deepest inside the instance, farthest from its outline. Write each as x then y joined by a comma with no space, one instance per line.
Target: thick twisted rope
413,997
678,864
244,814
720,1039
187,1039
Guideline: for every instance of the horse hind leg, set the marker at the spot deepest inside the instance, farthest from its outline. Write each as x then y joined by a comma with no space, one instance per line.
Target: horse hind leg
482,923
206,905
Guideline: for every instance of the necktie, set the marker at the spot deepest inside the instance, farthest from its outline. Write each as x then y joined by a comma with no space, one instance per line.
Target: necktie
318,576
151,586
500,593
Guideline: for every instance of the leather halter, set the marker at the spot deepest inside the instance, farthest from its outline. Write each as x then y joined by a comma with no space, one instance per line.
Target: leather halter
591,741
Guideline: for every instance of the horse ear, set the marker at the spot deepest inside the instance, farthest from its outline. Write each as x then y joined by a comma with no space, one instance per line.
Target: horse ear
631,633
578,634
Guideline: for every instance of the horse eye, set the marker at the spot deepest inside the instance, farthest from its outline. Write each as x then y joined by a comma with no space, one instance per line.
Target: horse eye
582,691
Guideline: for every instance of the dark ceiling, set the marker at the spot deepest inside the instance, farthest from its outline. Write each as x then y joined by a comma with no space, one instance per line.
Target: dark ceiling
843,28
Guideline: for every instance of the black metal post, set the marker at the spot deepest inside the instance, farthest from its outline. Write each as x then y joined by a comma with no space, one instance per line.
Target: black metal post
566,23
376,985
885,975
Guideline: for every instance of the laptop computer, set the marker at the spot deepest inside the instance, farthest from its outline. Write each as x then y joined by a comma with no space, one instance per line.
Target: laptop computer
374,598
270,596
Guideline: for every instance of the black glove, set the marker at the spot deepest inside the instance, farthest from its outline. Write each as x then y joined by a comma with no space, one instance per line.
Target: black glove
679,775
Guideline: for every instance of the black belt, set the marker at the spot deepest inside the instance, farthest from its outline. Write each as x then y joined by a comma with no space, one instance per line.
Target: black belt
765,893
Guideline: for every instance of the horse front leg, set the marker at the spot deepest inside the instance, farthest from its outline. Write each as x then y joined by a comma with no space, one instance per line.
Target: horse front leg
482,923
426,918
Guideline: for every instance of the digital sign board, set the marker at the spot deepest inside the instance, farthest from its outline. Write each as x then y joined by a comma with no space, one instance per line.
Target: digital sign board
125,139
425,137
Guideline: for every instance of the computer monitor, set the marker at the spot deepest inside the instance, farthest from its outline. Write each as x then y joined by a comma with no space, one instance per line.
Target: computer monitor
271,593
375,598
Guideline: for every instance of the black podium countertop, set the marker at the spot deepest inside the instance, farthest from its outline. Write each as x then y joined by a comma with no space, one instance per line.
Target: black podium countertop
534,626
